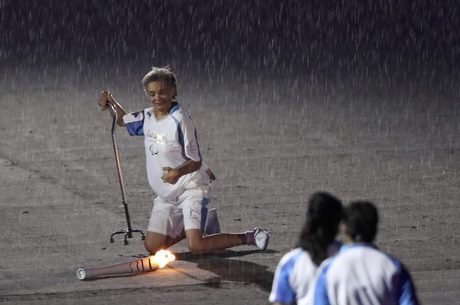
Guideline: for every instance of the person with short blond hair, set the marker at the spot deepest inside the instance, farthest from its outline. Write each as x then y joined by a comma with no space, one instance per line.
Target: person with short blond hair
175,170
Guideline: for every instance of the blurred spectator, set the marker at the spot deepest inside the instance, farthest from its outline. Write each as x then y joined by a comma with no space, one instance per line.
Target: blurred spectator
297,268
360,274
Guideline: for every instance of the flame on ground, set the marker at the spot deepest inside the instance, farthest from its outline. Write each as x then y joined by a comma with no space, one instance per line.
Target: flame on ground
162,258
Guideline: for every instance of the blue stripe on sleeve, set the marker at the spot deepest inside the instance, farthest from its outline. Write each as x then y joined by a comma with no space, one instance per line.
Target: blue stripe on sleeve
321,296
136,128
406,289
283,292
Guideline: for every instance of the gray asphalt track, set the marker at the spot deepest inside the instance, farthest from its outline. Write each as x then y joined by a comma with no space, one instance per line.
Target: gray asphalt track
271,141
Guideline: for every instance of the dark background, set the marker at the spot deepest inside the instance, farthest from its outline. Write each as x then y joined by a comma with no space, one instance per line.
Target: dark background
416,41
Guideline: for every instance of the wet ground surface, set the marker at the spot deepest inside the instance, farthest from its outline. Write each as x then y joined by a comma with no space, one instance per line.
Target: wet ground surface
360,99
271,141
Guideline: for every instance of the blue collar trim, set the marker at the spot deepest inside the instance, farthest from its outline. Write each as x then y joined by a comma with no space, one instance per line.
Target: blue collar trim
175,107
345,247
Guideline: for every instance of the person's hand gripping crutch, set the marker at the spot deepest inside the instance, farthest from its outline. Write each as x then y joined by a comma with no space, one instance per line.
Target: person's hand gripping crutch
106,98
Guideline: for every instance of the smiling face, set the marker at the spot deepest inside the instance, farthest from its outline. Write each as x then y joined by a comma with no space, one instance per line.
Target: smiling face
161,96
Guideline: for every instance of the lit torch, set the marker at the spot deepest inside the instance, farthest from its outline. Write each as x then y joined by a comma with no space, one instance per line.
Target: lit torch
151,263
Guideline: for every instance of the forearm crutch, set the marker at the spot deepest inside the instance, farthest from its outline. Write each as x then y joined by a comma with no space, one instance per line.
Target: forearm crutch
127,232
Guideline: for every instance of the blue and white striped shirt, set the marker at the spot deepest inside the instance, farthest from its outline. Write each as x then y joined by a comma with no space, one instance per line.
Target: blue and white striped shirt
360,274
294,274
169,142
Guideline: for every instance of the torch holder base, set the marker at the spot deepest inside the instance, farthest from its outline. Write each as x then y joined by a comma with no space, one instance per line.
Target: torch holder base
128,233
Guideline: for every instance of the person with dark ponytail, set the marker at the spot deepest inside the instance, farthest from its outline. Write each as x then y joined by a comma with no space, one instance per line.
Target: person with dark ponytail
317,241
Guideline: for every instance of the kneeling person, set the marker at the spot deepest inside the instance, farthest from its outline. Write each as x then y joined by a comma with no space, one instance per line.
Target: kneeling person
175,171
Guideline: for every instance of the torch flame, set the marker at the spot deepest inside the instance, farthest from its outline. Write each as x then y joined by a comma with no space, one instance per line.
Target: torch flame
162,258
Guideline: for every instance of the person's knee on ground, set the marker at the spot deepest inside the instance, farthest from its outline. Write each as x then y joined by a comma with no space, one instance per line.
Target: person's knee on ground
195,242
154,242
